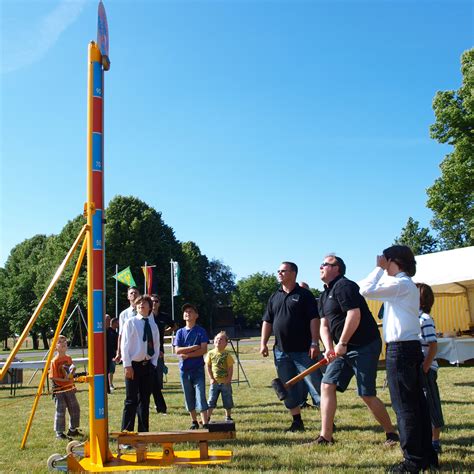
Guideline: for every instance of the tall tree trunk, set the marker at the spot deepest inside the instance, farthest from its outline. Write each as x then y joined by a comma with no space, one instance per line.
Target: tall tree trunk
45,338
34,338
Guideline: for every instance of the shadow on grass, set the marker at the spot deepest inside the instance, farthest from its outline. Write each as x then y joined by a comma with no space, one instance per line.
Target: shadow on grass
455,402
461,440
257,407
375,429
463,384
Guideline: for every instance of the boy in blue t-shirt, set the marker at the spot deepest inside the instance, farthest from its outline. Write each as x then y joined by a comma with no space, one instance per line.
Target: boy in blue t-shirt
190,345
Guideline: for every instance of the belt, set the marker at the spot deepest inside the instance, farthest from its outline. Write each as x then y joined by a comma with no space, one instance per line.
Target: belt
404,343
141,362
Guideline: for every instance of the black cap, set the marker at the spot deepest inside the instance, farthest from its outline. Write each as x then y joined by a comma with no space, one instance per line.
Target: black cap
188,305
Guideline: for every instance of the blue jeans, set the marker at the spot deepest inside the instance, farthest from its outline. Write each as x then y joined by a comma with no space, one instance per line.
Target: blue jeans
403,363
289,365
194,388
221,388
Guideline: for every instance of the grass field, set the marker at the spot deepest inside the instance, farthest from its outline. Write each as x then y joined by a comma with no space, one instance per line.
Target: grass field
261,444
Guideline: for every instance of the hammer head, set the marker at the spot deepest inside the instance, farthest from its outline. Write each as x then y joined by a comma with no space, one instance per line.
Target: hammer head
279,388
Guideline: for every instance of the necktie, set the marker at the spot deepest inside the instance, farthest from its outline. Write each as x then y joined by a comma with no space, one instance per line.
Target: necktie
148,337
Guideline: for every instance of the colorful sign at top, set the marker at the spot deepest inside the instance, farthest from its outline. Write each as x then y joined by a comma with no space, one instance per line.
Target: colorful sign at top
102,31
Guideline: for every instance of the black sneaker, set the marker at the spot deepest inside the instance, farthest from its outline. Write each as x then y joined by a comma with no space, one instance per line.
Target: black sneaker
392,440
403,467
296,425
205,426
229,418
321,440
194,426
62,436
74,433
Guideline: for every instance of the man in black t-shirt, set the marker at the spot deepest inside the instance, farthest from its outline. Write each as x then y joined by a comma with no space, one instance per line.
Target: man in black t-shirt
347,321
164,323
292,315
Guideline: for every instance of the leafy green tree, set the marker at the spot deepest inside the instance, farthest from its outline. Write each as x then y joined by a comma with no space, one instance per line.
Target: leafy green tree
451,197
5,331
195,286
251,295
207,284
417,238
20,275
222,282
54,253
134,234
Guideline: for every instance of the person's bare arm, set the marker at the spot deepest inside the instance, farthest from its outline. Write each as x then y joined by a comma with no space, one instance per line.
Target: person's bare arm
432,350
266,333
209,372
187,349
315,328
198,352
326,336
230,374
351,324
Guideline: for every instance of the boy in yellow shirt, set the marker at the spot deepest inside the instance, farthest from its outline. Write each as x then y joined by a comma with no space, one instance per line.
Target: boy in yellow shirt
219,364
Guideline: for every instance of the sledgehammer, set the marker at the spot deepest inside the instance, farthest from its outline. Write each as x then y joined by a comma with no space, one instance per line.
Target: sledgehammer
281,388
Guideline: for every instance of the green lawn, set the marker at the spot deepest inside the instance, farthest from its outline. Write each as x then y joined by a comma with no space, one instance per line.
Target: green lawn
261,444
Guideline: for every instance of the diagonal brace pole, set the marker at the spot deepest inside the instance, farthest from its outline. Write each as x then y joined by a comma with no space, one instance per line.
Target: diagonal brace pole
59,327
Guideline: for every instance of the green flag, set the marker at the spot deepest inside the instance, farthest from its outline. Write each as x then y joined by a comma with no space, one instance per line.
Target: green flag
125,276
176,273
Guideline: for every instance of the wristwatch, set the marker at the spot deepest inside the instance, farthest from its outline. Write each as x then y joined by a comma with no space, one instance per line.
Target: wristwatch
314,344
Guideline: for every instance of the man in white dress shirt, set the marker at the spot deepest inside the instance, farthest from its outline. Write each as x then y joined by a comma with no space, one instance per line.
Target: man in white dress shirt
391,283
140,350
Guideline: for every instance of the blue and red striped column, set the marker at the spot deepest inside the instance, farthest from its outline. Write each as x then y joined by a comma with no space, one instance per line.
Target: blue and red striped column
96,260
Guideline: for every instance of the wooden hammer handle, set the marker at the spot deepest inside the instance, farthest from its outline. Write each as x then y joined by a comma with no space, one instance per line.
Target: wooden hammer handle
303,374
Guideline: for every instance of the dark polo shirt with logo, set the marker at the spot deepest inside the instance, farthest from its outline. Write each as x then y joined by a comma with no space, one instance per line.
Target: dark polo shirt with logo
290,315
338,298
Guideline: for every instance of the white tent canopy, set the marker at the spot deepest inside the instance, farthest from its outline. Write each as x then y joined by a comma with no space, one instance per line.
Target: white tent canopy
451,271
448,272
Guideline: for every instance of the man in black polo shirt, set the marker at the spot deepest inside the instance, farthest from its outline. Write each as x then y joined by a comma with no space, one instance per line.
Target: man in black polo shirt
292,314
347,320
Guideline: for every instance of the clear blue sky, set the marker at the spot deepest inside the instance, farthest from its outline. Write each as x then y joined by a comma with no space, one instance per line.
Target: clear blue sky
262,130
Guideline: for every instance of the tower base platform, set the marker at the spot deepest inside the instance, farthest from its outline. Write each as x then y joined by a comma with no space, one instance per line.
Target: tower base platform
133,454
154,460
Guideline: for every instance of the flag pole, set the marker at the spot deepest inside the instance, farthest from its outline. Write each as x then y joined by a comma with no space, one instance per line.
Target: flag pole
144,284
172,289
116,290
